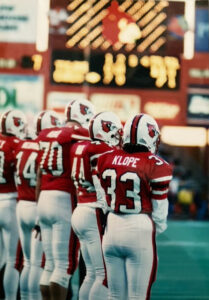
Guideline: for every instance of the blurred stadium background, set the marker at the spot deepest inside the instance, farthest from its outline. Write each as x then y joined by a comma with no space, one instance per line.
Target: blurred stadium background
127,56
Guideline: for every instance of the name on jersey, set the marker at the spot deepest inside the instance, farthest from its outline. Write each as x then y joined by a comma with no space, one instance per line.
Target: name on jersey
125,161
30,145
2,144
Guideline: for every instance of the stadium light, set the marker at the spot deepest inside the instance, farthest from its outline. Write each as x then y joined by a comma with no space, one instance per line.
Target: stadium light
184,136
42,34
189,36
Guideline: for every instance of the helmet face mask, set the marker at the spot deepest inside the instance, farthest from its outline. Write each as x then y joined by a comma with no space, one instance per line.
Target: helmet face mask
106,126
13,122
80,111
47,119
142,130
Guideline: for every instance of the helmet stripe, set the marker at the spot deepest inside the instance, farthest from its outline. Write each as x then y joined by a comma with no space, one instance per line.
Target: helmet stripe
68,112
91,132
38,124
3,124
134,127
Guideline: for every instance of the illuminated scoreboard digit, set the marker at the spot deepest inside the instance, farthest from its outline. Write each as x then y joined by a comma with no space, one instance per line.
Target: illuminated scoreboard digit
115,70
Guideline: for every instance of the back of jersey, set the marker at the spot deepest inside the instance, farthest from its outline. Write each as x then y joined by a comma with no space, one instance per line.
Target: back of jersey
26,169
84,156
130,181
55,144
8,145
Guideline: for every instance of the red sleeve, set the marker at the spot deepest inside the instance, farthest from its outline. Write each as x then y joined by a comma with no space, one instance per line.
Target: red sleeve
98,150
80,133
160,177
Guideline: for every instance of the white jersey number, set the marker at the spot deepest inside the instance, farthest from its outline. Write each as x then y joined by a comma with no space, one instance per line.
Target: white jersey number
29,170
2,158
78,171
133,193
52,152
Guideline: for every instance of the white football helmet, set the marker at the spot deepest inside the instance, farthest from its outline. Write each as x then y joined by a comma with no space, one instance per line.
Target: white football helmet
47,119
106,126
81,111
13,122
143,130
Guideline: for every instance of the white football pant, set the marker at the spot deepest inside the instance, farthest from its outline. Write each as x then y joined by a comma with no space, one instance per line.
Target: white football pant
85,223
32,251
54,211
9,232
130,255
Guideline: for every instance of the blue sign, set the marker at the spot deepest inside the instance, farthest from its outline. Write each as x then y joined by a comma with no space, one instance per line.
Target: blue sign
198,106
202,30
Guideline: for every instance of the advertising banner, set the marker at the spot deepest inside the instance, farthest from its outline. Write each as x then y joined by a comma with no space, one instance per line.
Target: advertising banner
125,106
21,92
18,21
202,30
166,110
198,106
57,101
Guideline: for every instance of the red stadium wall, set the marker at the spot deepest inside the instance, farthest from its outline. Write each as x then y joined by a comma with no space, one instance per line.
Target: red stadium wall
168,97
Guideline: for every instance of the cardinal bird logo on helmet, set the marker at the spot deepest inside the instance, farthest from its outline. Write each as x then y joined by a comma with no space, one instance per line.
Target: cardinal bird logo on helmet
84,109
107,126
151,130
17,121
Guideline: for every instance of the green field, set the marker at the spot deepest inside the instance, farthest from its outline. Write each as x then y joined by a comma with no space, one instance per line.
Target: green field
183,271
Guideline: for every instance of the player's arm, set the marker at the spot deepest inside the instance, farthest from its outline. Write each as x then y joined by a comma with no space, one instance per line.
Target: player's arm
160,202
100,193
80,134
38,183
37,228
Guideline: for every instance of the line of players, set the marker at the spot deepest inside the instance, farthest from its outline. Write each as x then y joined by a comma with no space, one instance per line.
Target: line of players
68,180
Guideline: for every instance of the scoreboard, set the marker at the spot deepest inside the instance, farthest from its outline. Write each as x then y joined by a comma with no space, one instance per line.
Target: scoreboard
115,70
116,44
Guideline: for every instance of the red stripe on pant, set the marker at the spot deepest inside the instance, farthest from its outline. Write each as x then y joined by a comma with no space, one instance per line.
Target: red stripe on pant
154,263
74,245
101,218
19,257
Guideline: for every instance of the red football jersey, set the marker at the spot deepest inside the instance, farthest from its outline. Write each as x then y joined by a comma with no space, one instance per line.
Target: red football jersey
8,145
55,144
131,181
26,169
84,156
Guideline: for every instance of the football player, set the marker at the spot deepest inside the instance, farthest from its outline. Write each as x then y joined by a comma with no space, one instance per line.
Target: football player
12,128
105,132
136,183
56,199
26,172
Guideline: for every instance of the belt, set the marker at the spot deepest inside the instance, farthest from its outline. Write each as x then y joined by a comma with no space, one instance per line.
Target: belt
141,212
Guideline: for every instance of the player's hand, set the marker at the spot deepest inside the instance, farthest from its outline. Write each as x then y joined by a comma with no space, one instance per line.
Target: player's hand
37,231
160,227
88,186
37,228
